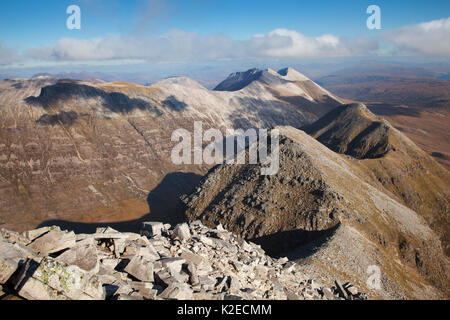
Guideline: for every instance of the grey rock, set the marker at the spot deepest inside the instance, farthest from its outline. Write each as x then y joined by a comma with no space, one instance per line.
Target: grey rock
182,232
164,278
235,285
109,263
328,294
223,245
152,229
12,236
56,280
10,260
283,260
174,265
136,249
193,276
53,241
207,283
212,264
82,255
34,289
33,234
206,240
192,257
177,291
140,268
291,295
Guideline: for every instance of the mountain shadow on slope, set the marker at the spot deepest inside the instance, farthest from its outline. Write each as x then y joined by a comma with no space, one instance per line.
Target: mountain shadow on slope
352,130
163,201
63,91
63,117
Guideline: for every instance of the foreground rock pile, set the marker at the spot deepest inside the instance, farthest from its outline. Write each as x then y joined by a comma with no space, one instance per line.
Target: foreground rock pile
187,262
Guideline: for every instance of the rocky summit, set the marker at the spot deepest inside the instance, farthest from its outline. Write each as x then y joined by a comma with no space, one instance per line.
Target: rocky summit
185,262
334,215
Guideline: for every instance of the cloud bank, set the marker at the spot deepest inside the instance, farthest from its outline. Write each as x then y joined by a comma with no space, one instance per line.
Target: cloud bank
178,45
430,39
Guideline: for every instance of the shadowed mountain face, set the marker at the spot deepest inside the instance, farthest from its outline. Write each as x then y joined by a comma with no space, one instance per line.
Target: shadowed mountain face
332,202
94,152
65,91
405,170
239,80
413,100
349,129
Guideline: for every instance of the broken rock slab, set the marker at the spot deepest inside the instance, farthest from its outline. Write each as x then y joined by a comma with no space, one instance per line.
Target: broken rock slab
34,289
10,260
193,275
173,265
140,268
83,255
192,258
152,229
12,236
53,241
211,264
34,234
182,232
57,280
178,291
135,249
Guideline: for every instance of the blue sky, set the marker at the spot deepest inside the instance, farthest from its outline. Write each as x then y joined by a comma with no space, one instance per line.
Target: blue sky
26,23
142,31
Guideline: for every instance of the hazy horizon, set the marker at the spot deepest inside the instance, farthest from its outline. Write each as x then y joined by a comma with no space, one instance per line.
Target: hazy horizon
146,40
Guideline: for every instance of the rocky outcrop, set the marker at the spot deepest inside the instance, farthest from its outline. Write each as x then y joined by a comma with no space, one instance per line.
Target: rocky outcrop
403,169
353,130
187,262
331,210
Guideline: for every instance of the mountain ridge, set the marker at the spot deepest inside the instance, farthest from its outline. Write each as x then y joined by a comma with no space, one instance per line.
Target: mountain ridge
323,195
112,140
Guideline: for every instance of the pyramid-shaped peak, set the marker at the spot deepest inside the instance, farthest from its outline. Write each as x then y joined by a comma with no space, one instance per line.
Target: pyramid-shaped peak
238,80
353,130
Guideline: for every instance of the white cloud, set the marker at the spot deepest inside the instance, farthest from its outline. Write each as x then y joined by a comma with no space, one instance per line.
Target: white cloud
7,55
178,45
429,38
283,43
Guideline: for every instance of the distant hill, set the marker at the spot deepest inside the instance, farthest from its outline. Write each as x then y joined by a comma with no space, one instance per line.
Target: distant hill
414,100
